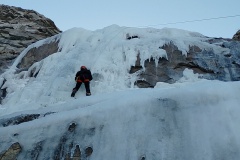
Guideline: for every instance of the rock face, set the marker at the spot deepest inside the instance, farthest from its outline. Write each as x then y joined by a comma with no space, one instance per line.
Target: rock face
237,36
37,54
18,29
212,66
12,152
66,147
69,149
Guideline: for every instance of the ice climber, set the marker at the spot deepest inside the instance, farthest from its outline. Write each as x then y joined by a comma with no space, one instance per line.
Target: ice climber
82,76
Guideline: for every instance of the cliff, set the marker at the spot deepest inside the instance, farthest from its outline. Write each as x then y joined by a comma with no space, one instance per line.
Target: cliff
18,29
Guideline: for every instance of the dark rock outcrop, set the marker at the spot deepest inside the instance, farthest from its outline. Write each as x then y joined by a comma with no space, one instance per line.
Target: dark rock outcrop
22,118
212,66
18,119
37,54
68,149
237,36
18,29
12,152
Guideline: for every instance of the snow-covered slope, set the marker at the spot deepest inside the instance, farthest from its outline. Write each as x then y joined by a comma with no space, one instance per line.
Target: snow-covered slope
191,119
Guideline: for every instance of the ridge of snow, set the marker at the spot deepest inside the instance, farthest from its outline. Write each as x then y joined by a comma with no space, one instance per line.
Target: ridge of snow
181,120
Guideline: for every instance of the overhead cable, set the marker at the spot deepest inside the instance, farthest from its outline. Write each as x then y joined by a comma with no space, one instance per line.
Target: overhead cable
190,21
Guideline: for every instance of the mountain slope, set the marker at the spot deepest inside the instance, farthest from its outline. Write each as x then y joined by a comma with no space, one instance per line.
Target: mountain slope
111,55
192,118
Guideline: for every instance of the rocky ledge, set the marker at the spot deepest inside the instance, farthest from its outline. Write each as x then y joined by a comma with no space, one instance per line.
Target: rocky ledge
237,36
18,29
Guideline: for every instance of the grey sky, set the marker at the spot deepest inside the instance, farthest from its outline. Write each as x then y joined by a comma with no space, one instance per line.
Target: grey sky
96,14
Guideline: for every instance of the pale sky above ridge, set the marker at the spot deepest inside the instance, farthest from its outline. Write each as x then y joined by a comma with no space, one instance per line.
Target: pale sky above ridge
96,14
